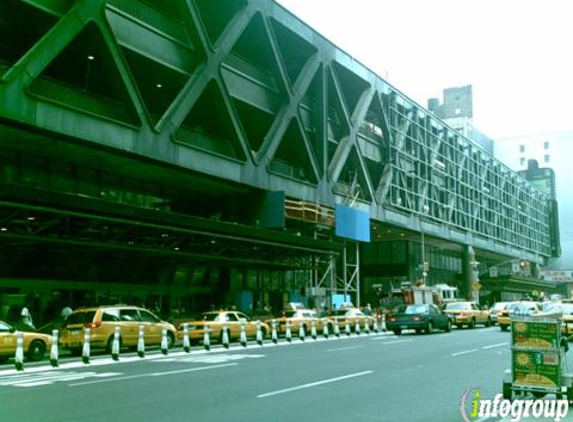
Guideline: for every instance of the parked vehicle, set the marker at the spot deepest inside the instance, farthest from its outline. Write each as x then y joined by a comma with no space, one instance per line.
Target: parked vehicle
215,320
102,322
301,317
523,308
495,310
467,313
339,317
420,317
35,344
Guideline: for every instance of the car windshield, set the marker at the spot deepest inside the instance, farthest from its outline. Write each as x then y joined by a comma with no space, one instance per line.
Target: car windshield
563,308
499,306
415,309
456,306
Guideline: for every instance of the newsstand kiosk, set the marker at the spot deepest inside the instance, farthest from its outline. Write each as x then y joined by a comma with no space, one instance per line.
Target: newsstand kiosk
538,361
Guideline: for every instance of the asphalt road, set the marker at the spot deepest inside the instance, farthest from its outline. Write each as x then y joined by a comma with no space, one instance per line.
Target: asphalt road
379,378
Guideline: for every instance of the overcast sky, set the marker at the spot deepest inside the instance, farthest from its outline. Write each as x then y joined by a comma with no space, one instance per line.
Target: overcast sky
517,54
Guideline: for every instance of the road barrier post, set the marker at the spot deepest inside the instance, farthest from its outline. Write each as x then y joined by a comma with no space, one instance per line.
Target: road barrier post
115,345
164,342
243,337
206,339
384,328
313,329
325,329
225,339
376,330
347,326
366,325
141,342
357,326
288,334
274,335
54,349
301,333
259,334
336,329
86,349
19,356
186,341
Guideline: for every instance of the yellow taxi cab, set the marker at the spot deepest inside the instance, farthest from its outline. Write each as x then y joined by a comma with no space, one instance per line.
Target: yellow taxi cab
522,308
215,320
35,344
467,313
339,317
102,321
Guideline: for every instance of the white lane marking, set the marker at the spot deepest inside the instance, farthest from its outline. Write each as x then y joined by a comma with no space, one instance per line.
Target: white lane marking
465,352
153,374
397,341
222,358
47,378
495,345
344,348
314,384
387,337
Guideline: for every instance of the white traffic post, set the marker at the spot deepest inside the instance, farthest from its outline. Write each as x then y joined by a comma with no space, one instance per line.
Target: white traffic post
346,326
325,329
115,345
206,340
164,342
243,338
313,329
274,335
376,330
384,328
288,334
357,326
186,341
54,349
19,356
141,342
225,338
366,325
336,329
86,350
259,334
301,333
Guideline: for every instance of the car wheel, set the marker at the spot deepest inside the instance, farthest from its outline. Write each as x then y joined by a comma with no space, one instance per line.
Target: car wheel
429,328
488,322
448,326
459,326
4,358
472,323
397,332
36,350
503,327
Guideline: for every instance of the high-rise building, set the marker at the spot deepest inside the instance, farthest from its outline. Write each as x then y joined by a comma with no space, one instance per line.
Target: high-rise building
456,111
544,161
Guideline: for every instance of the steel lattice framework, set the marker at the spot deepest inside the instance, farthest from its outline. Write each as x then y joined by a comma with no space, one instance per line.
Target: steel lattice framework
243,91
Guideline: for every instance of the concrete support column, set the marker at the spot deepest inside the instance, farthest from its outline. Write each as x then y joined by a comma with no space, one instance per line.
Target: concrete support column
468,274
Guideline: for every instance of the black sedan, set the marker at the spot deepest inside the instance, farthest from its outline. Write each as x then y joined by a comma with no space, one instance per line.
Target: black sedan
418,317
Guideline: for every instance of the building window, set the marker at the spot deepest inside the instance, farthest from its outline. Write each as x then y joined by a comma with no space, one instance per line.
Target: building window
522,161
545,145
546,158
522,148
